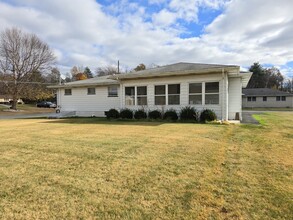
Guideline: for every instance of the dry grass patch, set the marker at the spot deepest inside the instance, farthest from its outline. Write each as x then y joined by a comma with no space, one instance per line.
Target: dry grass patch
91,168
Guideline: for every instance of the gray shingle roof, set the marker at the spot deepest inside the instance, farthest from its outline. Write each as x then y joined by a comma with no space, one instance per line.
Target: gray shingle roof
264,92
96,81
176,69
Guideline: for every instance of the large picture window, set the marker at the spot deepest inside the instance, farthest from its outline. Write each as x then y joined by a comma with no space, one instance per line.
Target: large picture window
141,95
174,94
129,95
160,95
211,93
195,93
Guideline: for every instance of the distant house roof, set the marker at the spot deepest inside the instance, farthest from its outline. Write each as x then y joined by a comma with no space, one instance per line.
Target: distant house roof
163,71
264,92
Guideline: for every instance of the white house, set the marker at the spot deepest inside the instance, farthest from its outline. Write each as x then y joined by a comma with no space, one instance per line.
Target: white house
203,86
266,98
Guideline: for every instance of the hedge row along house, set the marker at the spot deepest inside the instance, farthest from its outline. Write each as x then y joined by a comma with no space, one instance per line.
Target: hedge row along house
203,86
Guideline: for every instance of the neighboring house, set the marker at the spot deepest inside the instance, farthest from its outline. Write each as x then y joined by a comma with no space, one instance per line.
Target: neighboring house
203,86
6,99
266,98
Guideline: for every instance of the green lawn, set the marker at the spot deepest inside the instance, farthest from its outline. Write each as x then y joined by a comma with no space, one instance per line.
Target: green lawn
95,169
25,109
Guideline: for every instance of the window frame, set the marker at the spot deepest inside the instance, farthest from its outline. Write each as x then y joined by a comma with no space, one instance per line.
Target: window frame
283,98
141,96
211,93
131,96
195,94
278,98
66,93
91,93
160,95
174,94
264,98
113,95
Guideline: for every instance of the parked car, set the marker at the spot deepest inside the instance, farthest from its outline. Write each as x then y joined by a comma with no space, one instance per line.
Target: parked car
45,104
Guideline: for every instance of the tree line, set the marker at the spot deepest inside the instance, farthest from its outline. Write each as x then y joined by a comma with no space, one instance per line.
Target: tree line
268,78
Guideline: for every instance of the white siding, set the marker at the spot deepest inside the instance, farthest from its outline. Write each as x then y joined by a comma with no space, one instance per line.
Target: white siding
184,91
88,105
235,91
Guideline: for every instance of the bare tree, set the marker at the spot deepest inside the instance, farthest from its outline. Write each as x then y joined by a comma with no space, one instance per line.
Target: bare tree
108,70
21,55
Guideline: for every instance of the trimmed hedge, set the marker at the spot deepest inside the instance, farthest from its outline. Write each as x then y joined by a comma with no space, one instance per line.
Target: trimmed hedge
112,113
140,114
170,114
208,115
126,113
155,114
188,113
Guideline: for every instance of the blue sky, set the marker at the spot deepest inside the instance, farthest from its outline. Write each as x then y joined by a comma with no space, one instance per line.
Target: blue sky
98,33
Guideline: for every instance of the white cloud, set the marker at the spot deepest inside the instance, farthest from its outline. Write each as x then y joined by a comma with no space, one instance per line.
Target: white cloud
83,32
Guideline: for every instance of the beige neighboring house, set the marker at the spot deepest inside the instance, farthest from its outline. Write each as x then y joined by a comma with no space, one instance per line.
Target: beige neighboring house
6,99
203,86
266,98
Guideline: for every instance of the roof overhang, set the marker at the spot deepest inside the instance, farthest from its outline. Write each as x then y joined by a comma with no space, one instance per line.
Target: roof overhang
245,77
82,85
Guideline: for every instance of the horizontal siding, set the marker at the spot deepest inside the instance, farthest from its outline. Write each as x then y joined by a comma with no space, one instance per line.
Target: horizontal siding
270,103
234,97
87,105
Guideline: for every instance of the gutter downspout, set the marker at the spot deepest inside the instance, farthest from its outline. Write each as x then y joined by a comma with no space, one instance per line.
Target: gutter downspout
223,94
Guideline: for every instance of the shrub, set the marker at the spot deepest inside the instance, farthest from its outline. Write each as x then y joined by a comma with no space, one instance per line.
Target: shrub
208,115
126,114
140,114
188,113
155,114
170,115
112,113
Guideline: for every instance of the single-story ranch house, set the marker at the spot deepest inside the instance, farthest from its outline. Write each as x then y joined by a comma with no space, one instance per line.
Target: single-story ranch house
203,86
266,98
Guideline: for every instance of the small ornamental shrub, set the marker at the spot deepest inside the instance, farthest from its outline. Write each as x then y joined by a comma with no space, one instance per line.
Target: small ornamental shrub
208,115
170,114
140,114
188,113
155,114
112,113
126,114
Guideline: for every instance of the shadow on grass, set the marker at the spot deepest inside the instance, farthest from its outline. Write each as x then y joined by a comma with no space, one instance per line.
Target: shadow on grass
105,121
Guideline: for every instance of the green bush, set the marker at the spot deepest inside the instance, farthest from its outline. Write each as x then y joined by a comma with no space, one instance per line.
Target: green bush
126,113
188,113
155,114
140,114
170,114
112,113
208,115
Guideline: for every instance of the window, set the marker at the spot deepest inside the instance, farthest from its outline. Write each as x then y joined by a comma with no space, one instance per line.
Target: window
112,91
264,98
129,95
91,91
283,98
160,95
251,98
67,92
174,94
141,95
211,93
278,98
195,93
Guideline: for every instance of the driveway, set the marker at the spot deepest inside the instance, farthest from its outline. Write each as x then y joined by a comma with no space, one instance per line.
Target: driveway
247,117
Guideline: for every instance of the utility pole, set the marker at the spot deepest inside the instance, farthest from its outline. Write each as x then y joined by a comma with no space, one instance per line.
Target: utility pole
118,66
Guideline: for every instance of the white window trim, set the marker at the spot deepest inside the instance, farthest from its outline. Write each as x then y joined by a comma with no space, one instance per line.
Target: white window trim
166,94
91,93
136,95
204,93
195,93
